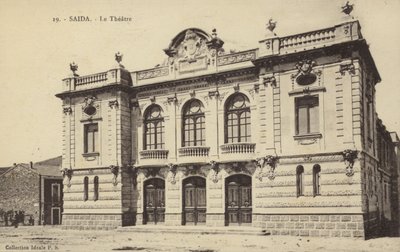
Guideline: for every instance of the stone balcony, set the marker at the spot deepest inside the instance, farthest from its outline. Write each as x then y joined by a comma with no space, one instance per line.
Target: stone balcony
237,151
153,157
193,154
117,76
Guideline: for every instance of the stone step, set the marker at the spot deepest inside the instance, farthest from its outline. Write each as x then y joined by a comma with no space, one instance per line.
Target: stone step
240,230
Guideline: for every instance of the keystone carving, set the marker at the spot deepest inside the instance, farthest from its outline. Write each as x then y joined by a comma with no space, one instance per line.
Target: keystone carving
349,156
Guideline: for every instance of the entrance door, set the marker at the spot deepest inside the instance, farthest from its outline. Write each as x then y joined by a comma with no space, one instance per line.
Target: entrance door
55,215
194,201
238,200
154,201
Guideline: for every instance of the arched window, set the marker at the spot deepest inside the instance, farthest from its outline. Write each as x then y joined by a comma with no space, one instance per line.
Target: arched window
96,188
153,128
237,119
193,124
299,180
316,177
85,188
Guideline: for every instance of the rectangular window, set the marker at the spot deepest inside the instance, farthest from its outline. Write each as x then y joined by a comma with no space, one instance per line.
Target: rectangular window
307,115
55,193
91,138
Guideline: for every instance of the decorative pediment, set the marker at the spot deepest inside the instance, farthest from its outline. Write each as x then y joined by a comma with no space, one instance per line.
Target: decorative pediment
192,43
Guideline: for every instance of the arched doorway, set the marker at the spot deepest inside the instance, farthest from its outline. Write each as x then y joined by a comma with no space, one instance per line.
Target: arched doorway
194,201
238,200
154,201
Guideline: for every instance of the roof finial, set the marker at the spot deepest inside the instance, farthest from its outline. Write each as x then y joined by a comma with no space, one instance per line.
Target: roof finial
214,33
271,25
347,8
118,59
74,67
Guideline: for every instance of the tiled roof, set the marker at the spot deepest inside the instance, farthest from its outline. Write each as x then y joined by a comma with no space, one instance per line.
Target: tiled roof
3,170
49,167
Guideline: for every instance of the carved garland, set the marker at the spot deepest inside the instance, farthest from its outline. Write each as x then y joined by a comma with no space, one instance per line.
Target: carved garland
349,156
215,168
68,173
172,173
114,170
271,162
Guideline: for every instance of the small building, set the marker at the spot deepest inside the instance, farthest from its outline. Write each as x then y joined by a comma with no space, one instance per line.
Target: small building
31,193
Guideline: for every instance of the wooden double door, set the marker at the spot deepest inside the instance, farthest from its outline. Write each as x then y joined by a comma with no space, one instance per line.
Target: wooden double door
238,201
154,201
194,201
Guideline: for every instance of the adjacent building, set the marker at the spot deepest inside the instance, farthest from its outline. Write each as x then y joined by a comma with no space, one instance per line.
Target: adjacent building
283,137
32,192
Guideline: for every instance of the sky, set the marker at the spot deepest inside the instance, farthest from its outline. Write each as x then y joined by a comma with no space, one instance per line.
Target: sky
35,51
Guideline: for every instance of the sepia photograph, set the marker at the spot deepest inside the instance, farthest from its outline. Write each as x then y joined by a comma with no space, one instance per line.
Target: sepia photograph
199,126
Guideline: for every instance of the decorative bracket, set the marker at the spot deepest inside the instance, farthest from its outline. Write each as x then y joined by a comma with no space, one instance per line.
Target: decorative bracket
172,169
114,170
113,104
67,172
215,168
192,93
67,110
349,156
347,67
271,80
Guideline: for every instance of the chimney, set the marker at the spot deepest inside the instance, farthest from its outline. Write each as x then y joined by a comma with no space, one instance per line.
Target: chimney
31,165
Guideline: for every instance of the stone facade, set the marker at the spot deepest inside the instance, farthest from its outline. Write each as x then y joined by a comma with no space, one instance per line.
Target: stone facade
165,147
29,188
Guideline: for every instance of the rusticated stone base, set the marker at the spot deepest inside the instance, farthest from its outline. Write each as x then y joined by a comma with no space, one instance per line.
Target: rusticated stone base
312,225
173,219
91,221
139,219
215,220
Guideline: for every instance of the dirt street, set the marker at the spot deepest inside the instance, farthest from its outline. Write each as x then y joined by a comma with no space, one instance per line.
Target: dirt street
55,239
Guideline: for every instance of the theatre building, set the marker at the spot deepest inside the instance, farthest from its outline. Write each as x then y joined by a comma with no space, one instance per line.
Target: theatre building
282,137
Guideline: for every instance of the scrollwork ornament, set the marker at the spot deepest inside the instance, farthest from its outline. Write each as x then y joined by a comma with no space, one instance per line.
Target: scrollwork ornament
114,170
349,156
